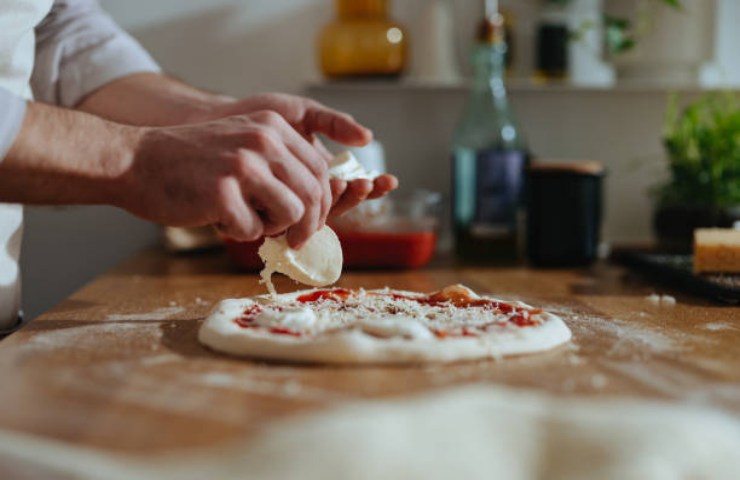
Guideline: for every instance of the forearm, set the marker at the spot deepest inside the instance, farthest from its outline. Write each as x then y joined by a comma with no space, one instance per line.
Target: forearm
152,99
66,157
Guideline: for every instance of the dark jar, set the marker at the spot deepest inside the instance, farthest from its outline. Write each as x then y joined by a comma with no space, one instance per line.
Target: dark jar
564,210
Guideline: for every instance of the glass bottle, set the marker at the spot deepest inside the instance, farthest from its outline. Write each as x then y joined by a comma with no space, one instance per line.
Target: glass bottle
362,41
489,158
553,37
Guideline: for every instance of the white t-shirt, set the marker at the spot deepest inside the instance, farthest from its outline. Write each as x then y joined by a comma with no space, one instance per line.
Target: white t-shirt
17,45
60,50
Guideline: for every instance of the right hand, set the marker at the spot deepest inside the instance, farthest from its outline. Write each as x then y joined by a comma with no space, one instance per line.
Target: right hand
251,175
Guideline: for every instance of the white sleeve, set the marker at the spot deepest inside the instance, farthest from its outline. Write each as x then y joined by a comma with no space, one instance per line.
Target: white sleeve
79,48
13,110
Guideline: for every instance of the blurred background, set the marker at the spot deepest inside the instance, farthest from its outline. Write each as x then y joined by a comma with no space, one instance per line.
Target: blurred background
607,103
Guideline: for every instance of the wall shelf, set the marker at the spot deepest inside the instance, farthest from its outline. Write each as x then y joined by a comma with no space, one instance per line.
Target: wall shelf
516,85
620,127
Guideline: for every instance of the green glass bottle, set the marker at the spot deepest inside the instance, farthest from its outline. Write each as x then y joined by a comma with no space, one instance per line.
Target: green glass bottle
489,159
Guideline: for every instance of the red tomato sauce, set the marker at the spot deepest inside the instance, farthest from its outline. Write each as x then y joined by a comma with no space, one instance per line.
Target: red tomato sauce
387,249
335,294
246,320
284,331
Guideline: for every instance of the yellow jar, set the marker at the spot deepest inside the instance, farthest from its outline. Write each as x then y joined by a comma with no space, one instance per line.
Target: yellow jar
362,41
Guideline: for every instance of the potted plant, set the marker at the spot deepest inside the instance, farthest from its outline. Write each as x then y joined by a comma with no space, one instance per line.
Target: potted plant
702,143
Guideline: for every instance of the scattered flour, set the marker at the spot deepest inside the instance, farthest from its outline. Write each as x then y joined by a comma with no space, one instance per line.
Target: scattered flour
599,381
569,385
653,299
160,359
247,383
146,391
629,335
661,300
158,314
89,337
676,383
717,327
576,360
667,301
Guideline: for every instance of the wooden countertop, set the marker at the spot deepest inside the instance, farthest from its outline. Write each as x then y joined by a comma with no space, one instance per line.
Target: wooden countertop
117,366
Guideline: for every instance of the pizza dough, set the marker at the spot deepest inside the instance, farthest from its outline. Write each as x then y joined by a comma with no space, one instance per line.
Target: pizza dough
341,326
484,432
318,263
475,432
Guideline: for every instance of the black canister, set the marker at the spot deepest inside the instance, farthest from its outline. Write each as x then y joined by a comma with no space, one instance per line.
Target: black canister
564,205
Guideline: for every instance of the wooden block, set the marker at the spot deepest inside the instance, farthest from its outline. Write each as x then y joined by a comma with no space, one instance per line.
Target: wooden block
716,250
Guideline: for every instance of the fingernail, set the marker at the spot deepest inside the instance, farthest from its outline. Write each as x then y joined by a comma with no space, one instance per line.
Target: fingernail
293,243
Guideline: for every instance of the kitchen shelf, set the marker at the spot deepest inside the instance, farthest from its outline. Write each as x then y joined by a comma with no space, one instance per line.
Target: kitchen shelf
516,85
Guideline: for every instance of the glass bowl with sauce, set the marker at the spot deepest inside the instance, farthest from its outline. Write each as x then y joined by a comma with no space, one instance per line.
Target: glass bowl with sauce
397,231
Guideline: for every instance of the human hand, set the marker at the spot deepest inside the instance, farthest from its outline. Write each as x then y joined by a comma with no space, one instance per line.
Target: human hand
251,175
309,118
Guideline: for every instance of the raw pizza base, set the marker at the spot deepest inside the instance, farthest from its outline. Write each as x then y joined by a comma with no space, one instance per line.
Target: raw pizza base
353,346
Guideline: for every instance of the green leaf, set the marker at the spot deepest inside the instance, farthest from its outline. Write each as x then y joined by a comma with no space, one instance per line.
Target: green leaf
618,36
673,3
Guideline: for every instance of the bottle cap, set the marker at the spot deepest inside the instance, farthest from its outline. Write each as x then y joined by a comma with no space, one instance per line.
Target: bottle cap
491,29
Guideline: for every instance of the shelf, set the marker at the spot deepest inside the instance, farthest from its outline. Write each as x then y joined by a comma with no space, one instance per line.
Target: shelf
517,85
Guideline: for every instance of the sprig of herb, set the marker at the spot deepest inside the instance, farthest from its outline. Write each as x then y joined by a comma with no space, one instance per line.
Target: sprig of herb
621,36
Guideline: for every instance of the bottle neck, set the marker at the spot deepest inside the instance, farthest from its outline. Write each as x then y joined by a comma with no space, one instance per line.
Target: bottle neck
489,69
488,121
361,9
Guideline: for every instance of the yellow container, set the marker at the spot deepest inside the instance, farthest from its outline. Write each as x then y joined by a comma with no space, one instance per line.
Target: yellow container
362,41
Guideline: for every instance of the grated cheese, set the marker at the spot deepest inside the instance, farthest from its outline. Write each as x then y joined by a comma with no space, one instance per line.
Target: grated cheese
386,314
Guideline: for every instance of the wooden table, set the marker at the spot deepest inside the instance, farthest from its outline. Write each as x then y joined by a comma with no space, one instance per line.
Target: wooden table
118,367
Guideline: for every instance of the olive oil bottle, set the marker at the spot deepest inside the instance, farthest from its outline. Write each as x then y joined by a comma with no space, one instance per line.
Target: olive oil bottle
489,158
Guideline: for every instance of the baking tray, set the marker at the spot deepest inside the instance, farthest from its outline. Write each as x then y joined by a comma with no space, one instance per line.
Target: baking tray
677,270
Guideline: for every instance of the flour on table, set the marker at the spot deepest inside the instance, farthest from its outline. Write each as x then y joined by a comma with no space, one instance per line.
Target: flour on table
90,336
674,382
282,389
599,381
156,315
627,335
717,327
661,300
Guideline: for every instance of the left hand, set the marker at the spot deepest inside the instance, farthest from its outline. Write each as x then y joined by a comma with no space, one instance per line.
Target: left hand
309,117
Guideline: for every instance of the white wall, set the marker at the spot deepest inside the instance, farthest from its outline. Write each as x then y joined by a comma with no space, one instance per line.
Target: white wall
236,47
247,46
